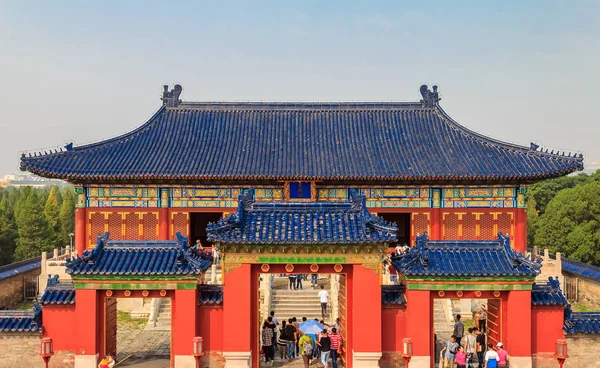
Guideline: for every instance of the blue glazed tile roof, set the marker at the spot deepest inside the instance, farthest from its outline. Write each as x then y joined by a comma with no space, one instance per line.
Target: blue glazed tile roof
19,268
21,320
210,295
548,294
393,294
128,258
581,269
302,223
483,258
581,322
301,141
58,292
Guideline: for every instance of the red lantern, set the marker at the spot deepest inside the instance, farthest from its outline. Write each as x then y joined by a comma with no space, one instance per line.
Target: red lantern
46,349
561,351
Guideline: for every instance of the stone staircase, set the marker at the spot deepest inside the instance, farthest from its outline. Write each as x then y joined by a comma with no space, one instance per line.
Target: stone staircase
442,326
163,321
208,276
297,303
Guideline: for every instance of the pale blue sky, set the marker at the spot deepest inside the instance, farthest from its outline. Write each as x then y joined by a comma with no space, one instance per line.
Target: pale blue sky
82,71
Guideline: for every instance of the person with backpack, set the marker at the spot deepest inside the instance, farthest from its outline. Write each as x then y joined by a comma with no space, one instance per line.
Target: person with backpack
306,348
470,343
449,352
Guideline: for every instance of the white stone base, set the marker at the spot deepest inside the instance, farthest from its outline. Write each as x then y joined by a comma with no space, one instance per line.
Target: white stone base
521,362
365,360
420,362
237,359
86,361
184,361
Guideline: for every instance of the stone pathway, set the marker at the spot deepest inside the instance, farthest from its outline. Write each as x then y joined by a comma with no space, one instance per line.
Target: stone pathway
136,342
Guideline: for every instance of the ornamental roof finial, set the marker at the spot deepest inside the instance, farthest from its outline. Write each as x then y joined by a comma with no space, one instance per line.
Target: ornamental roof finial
171,98
430,99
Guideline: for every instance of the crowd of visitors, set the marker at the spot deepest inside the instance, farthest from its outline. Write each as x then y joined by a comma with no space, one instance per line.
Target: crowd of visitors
290,342
463,350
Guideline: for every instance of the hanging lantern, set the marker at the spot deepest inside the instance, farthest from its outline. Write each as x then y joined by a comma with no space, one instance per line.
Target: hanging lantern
46,348
198,346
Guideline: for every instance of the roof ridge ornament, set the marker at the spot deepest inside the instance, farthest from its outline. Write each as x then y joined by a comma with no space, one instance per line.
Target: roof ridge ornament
171,98
430,99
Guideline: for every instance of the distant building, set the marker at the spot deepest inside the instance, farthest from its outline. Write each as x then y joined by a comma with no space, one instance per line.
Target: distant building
24,180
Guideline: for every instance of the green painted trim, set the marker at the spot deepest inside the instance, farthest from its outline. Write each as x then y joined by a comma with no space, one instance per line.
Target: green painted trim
469,287
301,260
470,278
134,286
109,278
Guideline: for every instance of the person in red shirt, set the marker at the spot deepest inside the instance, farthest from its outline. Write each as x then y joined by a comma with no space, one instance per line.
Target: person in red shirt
336,344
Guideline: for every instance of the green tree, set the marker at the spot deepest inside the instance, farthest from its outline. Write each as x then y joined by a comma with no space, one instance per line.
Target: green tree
52,211
67,215
32,226
8,228
571,223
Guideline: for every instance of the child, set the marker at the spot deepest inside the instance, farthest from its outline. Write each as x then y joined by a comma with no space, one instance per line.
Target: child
104,362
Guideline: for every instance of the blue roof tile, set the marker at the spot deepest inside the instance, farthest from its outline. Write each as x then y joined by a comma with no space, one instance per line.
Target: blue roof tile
580,269
21,320
210,295
301,141
58,292
393,294
548,294
581,322
19,268
302,223
129,258
481,258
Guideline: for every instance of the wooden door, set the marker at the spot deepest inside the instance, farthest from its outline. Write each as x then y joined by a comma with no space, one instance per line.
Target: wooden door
343,316
110,328
494,321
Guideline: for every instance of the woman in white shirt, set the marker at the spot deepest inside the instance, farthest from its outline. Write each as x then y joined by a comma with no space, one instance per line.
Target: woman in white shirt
491,357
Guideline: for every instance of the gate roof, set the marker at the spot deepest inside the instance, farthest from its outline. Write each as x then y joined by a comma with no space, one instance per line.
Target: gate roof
479,258
140,258
343,141
283,223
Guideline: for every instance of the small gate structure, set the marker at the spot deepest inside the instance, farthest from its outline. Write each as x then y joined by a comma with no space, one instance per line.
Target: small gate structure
30,287
571,286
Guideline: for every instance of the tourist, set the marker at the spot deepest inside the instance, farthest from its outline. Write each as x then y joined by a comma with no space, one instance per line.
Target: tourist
215,254
461,357
476,316
314,279
338,324
198,247
292,278
336,345
398,250
324,344
449,352
296,325
112,359
275,324
324,297
480,346
290,337
470,343
459,329
306,347
483,319
104,362
502,355
491,357
299,281
267,341
282,341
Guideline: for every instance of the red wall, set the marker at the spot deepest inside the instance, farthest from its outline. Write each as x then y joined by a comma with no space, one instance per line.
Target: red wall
60,323
210,320
546,327
393,328
185,326
366,310
517,334
419,321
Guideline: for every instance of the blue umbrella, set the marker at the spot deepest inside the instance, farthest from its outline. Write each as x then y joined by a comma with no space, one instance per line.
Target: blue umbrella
311,327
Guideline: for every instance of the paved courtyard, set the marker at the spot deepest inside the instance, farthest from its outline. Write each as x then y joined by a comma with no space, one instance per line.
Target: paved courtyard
136,343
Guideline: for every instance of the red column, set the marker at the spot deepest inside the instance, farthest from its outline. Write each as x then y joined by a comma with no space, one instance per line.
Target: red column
436,224
366,315
518,323
237,302
80,233
520,241
163,224
88,318
419,321
184,327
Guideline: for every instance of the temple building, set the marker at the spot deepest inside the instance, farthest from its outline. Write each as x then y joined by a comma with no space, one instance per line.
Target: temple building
284,187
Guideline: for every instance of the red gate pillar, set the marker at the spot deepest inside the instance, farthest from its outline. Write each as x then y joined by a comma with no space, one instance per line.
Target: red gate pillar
237,330
80,230
163,224
184,327
517,336
520,242
89,315
419,326
366,317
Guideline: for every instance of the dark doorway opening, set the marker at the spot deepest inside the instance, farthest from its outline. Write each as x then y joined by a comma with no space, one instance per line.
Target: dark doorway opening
403,222
198,223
